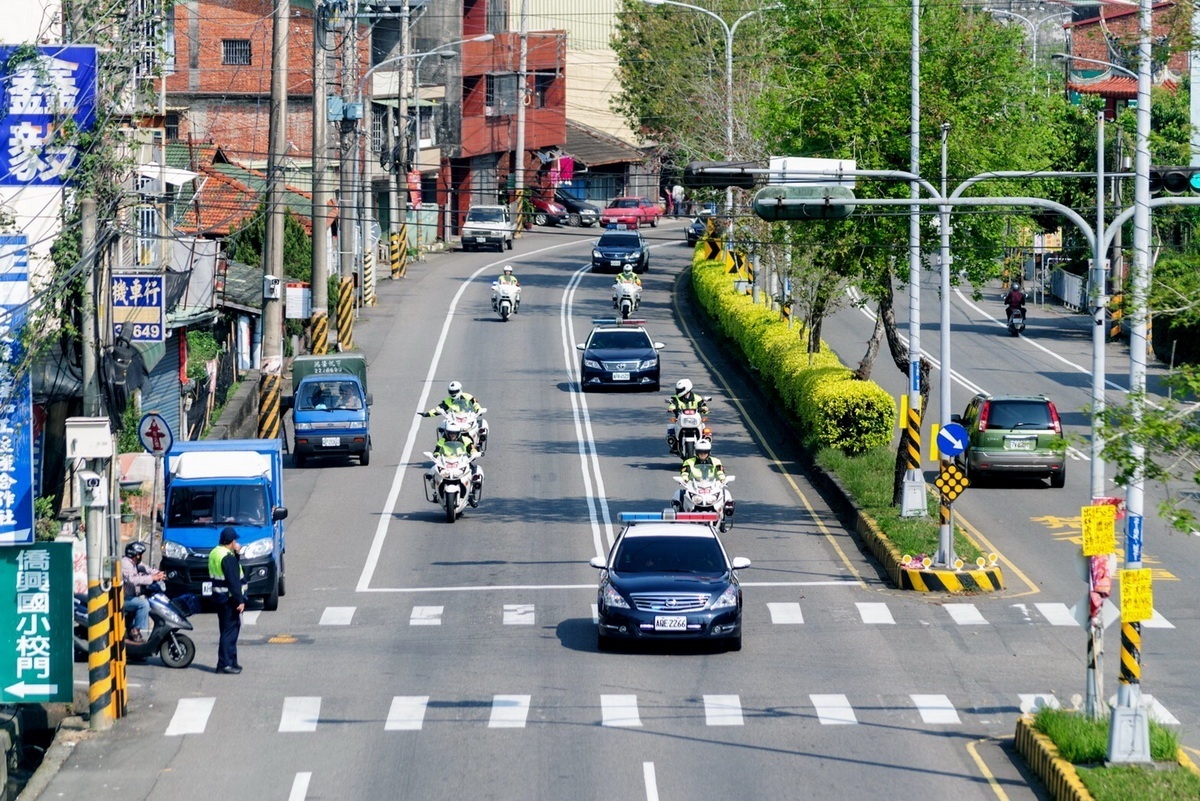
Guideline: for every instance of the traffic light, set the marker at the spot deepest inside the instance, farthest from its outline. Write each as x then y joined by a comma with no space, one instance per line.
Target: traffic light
1174,180
693,178
799,202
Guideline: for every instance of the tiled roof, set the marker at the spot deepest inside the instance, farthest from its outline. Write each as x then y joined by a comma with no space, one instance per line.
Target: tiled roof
1117,87
594,147
229,194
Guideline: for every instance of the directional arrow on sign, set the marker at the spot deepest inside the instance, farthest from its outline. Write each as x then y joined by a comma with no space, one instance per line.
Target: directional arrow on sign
952,439
21,689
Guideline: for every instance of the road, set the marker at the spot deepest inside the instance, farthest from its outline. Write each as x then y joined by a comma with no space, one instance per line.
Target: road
416,659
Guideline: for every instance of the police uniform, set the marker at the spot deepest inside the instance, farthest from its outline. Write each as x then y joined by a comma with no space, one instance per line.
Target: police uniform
224,562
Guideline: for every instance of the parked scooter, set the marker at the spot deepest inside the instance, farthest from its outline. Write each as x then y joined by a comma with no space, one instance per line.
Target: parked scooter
687,427
1016,323
166,638
470,422
506,299
453,483
627,296
708,494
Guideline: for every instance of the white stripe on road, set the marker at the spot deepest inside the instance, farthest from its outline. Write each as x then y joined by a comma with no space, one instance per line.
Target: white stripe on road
833,710
300,787
966,615
785,613
651,782
300,713
723,710
426,616
596,614
407,713
337,616
935,708
1057,614
191,716
509,712
251,618
619,710
518,614
875,613
1032,702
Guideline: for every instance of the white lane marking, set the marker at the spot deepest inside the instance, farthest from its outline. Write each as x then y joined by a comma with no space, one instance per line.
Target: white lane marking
426,616
833,710
407,713
300,713
337,615
1032,702
509,712
838,583
935,708
191,716
875,613
1157,621
619,710
966,615
723,710
651,782
393,496
251,618
518,614
1057,614
596,614
785,613
300,787
1158,712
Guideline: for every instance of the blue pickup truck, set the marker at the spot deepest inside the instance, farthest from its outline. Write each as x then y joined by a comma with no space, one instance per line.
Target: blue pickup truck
331,414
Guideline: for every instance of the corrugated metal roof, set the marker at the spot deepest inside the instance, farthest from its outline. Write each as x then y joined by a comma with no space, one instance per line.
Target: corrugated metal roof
594,147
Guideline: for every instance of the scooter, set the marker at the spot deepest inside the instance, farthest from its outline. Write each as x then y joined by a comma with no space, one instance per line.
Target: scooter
453,484
506,299
706,495
1016,322
470,422
169,619
687,427
627,296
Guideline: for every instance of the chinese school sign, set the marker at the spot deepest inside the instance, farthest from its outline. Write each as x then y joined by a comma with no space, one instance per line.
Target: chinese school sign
138,301
36,651
37,95
16,398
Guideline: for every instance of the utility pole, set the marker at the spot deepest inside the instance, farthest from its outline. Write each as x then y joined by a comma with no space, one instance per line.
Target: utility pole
398,185
320,189
91,390
272,311
522,78
351,113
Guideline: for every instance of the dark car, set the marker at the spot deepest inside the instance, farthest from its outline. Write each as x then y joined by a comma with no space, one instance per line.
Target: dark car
619,353
547,212
617,247
668,578
697,229
580,213
1015,435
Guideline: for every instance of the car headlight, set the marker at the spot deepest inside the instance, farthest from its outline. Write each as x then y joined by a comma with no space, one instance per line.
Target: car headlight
173,550
727,598
649,364
595,365
597,254
303,426
613,598
258,548
355,424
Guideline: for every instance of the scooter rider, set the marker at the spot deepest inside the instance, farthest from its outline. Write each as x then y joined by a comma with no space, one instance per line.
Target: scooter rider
685,398
1014,300
458,399
703,464
508,277
626,276
137,577
456,442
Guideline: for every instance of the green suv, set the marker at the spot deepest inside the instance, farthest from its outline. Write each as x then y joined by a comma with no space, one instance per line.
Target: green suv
1015,434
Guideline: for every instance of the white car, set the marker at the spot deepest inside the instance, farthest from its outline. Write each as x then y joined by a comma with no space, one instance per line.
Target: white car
488,226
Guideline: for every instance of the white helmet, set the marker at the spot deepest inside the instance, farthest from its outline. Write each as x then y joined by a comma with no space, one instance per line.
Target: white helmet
682,386
453,427
703,446
454,388
628,270
508,268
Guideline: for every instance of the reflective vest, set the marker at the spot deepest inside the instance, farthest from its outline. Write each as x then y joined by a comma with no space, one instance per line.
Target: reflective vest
448,447
693,468
217,573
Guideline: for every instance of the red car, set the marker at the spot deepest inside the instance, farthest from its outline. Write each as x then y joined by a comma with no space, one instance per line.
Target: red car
631,211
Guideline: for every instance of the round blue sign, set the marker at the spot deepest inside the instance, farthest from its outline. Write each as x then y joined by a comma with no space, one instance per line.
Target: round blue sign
952,439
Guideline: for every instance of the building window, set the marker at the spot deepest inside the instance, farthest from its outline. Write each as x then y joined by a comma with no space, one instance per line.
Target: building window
497,17
501,95
235,52
172,126
147,235
379,132
542,82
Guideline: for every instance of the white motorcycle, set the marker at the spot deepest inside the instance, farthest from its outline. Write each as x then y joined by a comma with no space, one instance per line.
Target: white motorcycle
506,299
708,494
453,483
627,296
470,422
686,429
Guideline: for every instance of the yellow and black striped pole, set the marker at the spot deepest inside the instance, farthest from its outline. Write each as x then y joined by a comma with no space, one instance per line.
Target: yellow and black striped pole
269,420
345,315
394,253
100,678
320,332
1131,654
912,437
369,277
116,611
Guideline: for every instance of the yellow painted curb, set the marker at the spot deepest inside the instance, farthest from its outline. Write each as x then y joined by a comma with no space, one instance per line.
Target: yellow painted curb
1056,773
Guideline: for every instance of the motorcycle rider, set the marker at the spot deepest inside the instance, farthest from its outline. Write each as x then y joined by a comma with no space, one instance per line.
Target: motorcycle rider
1014,300
458,399
626,276
705,466
137,578
507,277
684,398
456,442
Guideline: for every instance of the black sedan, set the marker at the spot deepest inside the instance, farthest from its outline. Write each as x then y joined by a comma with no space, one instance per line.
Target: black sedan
668,578
617,247
619,353
696,230
580,213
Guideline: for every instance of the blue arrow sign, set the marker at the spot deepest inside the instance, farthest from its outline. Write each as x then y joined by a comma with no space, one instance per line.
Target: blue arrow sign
952,439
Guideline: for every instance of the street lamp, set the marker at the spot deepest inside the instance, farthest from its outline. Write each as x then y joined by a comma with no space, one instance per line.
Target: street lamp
1034,27
1067,58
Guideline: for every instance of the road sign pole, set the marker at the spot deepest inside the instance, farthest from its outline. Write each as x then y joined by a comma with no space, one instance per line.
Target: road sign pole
100,677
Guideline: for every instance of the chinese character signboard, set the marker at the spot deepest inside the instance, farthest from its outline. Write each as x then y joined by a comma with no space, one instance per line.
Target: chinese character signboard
1099,529
16,398
37,96
36,651
138,307
1137,595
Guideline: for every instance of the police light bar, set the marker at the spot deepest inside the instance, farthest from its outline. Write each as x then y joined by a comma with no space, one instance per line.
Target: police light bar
668,516
615,321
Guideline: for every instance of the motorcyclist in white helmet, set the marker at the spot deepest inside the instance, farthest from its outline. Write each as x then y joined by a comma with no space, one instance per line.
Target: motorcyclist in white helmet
457,442
507,276
457,399
685,398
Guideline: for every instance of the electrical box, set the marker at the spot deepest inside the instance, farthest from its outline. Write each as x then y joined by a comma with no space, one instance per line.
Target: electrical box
272,287
333,108
354,111
89,438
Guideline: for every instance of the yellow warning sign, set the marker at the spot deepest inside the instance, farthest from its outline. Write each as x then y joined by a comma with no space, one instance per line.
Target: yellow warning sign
1099,529
1137,595
951,482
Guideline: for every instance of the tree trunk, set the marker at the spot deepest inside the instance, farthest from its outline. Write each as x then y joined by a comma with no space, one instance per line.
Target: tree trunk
863,373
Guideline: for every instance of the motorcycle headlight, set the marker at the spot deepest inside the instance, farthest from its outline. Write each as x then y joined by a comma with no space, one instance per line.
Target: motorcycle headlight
648,364
727,599
303,426
592,363
173,550
613,598
258,548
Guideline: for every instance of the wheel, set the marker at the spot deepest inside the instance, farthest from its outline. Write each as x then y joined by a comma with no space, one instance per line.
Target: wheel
734,643
653,222
448,505
178,652
365,458
626,308
504,313
507,244
298,459
573,219
539,219
282,578
603,642
1059,480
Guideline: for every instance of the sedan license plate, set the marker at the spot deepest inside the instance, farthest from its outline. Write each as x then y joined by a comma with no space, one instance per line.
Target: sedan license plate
620,376
615,263
481,239
670,623
1020,443
331,442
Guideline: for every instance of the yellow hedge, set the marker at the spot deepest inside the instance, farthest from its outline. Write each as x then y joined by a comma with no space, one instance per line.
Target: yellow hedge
834,409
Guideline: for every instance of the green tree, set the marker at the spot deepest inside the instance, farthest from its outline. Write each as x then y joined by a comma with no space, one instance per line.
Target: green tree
247,243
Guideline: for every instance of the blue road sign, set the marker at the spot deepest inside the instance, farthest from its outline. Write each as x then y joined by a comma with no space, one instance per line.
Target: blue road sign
952,439
16,397
139,307
1133,539
914,376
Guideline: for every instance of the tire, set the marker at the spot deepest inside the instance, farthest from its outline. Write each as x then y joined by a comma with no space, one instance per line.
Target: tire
1059,480
653,222
467,248
540,219
298,459
271,601
178,653
626,309
365,458
603,642
734,643
507,244
505,311
282,578
573,220
448,506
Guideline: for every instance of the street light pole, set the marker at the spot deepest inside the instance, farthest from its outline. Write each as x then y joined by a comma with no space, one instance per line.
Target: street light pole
1034,27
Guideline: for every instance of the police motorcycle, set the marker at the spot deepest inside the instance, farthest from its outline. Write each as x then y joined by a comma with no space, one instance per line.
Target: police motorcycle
166,639
470,422
686,429
452,483
706,494
627,296
506,299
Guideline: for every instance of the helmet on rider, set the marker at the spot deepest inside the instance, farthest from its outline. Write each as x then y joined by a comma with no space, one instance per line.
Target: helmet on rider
508,269
627,271
453,430
703,448
683,386
455,388
135,549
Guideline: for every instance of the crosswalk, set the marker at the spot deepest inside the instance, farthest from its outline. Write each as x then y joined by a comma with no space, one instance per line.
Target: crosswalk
304,714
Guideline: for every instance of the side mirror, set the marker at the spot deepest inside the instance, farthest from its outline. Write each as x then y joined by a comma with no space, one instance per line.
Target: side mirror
740,563
659,346
428,454
580,346
956,418
287,401
730,479
158,517
279,513
370,400
599,562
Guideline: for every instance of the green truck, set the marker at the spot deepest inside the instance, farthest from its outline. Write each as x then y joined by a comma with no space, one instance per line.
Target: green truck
330,406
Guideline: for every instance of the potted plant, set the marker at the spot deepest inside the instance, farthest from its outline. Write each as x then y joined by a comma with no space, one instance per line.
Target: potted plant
127,512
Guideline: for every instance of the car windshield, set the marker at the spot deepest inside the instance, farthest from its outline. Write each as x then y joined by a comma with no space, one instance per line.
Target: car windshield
669,555
624,203
1019,414
619,241
620,340
485,215
329,395
223,504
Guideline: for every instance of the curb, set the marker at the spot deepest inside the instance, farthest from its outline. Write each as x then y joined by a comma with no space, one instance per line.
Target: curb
68,733
1057,774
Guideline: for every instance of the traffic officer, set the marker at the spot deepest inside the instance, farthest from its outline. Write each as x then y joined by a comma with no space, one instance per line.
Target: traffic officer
224,561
